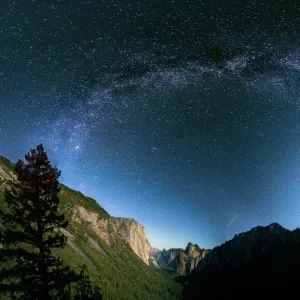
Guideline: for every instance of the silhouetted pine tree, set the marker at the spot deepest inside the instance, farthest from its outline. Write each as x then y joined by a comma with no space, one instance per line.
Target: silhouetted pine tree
84,289
31,225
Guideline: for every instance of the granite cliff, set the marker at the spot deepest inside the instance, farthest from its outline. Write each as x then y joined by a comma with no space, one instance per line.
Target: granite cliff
181,261
135,235
166,258
113,229
187,260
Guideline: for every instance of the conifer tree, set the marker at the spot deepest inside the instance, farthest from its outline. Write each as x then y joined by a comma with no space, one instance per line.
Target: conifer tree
30,230
84,289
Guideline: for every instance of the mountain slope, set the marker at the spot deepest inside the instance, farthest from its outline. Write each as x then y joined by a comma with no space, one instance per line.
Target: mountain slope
264,258
110,229
105,244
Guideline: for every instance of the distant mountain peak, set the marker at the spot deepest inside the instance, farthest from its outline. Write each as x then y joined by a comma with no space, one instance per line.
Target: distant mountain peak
187,260
192,249
275,226
257,231
155,249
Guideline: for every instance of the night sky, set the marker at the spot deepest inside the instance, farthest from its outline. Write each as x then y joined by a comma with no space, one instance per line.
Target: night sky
184,115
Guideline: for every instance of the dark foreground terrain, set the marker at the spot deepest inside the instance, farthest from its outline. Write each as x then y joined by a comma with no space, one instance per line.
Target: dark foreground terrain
262,262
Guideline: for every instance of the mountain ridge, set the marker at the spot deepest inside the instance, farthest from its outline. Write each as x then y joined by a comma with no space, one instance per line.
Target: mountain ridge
263,258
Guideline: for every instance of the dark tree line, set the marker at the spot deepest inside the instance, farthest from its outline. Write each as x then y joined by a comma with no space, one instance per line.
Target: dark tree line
30,226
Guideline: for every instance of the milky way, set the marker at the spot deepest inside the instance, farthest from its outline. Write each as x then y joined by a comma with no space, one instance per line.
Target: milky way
180,115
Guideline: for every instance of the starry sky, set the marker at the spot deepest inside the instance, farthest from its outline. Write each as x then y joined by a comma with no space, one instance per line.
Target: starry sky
184,115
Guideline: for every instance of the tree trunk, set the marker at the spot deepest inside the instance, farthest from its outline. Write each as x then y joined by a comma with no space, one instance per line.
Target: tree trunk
42,266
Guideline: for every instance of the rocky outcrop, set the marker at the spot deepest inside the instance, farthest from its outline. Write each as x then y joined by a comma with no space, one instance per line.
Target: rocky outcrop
170,254
182,262
179,260
5,173
135,235
187,260
156,253
72,243
167,258
105,228
113,229
153,262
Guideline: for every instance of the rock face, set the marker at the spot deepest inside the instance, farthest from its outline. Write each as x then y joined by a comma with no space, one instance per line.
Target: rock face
187,260
168,258
104,228
135,235
156,253
113,229
170,254
5,173
153,262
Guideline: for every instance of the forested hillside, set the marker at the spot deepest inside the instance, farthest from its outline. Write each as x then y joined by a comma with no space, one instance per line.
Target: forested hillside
115,269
